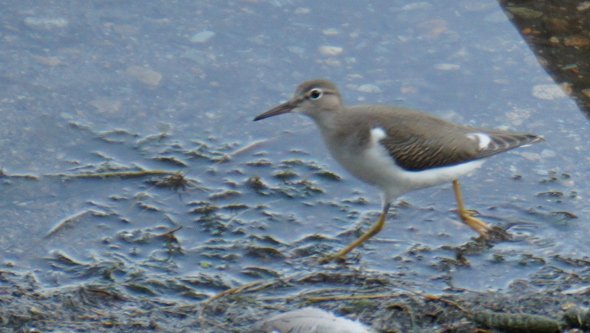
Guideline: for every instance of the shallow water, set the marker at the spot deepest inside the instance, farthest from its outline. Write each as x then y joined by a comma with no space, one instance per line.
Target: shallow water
111,87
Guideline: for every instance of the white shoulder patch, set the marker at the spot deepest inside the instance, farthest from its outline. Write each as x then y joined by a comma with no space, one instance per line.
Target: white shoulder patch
482,139
377,134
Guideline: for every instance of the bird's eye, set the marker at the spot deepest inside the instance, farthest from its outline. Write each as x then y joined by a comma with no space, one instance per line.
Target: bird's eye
315,94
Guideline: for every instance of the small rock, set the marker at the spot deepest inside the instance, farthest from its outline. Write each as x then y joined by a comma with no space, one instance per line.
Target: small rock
558,26
331,51
310,320
145,75
548,91
524,12
368,88
584,6
202,37
576,41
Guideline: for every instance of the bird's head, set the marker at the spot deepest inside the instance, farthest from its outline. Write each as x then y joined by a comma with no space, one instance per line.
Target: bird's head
312,98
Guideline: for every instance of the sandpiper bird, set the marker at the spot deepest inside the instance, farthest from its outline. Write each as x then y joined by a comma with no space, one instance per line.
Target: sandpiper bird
398,150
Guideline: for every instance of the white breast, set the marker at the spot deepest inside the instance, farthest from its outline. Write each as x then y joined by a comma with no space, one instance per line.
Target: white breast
376,167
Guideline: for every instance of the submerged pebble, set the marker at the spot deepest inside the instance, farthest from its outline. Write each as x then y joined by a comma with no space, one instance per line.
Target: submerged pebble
46,23
145,75
202,37
331,51
368,88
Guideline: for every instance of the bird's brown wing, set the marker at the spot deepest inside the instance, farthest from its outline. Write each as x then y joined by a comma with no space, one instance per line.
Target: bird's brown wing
419,141
426,143
416,153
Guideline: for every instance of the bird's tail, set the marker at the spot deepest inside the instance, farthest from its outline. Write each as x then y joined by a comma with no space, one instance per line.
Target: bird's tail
503,141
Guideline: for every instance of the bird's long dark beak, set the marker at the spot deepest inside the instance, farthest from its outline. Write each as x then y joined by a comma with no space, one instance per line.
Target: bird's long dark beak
280,109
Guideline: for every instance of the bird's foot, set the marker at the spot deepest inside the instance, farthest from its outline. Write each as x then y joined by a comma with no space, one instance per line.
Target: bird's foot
486,232
498,234
471,212
468,217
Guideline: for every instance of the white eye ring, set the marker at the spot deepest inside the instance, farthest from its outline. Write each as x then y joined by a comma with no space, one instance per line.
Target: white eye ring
316,94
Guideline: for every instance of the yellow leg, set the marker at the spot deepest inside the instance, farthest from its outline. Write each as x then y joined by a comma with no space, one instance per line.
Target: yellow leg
370,233
467,216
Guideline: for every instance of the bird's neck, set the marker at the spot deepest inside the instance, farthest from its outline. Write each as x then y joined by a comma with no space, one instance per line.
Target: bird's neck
327,121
